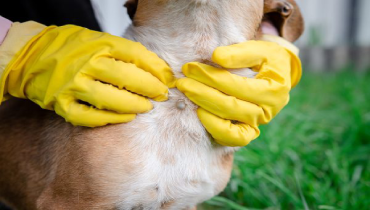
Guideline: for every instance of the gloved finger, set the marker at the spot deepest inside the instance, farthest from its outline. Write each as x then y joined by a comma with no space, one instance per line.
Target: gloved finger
108,97
258,91
264,57
225,132
224,106
82,115
251,54
130,77
135,53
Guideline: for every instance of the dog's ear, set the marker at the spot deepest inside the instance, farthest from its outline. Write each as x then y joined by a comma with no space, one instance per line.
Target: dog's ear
286,16
131,6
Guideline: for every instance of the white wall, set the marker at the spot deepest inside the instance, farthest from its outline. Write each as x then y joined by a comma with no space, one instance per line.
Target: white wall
112,15
364,25
330,19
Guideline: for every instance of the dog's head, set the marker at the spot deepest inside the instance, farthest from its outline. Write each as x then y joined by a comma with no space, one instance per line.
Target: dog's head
283,15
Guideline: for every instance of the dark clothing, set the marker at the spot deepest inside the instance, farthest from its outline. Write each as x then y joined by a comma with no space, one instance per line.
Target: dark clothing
51,12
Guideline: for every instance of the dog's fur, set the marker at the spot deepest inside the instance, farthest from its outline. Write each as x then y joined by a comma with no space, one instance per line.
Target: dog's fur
162,160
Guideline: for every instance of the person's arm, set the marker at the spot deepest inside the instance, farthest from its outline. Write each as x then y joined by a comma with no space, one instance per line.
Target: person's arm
89,78
232,107
5,25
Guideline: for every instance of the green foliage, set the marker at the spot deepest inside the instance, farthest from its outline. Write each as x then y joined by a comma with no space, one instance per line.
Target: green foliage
314,36
314,155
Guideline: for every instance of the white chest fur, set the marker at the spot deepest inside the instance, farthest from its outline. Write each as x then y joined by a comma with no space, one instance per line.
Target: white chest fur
179,164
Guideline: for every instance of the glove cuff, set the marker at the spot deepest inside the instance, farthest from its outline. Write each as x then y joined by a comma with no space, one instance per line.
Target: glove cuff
296,71
17,38
282,42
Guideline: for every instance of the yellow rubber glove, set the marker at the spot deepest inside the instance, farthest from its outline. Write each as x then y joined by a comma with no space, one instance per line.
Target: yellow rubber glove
89,78
232,107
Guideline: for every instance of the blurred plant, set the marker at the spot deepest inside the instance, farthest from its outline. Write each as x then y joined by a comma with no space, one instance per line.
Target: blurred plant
314,36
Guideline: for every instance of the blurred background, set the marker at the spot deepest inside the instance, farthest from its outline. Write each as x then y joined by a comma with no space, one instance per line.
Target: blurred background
337,34
315,154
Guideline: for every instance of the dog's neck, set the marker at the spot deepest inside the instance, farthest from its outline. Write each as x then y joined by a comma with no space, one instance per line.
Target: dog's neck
186,32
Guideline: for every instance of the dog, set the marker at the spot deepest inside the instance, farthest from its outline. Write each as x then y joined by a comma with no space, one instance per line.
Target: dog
163,159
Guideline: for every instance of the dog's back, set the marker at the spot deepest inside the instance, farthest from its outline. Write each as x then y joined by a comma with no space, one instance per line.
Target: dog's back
28,151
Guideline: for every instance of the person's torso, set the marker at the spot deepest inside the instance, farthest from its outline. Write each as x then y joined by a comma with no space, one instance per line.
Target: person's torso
108,15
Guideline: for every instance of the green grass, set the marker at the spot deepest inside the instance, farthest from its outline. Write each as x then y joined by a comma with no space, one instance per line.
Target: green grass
314,155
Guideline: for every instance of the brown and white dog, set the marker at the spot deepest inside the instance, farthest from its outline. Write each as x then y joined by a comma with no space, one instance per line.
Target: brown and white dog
164,159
